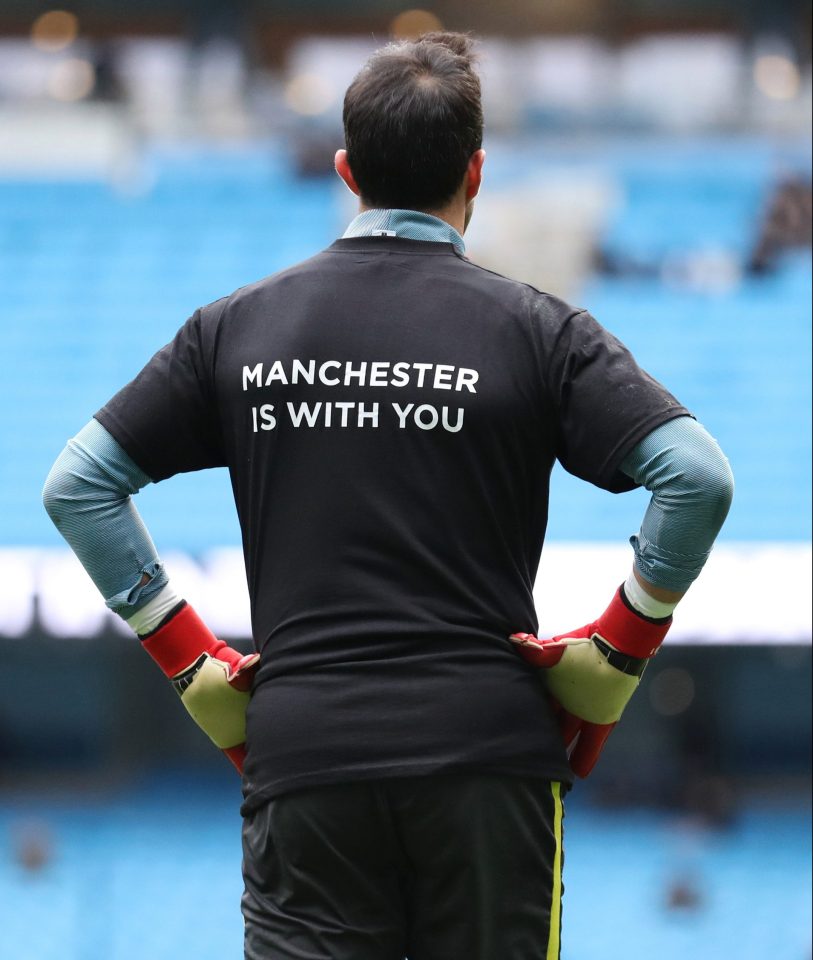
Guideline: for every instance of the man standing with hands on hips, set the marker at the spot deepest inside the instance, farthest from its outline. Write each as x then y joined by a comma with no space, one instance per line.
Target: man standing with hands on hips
390,414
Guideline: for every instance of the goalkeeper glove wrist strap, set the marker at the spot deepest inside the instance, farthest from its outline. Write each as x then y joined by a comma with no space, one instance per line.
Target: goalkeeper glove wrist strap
628,631
180,640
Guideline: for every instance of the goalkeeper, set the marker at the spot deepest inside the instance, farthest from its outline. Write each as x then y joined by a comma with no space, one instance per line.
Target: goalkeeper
403,768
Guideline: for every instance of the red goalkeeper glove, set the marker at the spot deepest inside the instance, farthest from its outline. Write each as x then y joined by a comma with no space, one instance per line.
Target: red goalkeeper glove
212,679
592,672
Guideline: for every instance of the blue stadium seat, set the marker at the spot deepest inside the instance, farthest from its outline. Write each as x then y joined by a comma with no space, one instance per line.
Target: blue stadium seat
94,280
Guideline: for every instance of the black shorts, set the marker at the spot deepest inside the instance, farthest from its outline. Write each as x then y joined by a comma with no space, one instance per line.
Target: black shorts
463,867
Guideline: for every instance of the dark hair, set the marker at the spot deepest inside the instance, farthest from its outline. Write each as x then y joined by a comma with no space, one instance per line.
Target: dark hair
412,120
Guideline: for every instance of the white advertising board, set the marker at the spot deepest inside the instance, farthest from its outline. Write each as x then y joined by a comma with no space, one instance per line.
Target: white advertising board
748,592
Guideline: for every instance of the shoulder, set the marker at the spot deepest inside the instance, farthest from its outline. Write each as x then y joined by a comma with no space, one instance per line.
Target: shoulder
302,272
211,314
538,305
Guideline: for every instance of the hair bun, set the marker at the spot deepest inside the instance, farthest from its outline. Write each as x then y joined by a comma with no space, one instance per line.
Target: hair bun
461,44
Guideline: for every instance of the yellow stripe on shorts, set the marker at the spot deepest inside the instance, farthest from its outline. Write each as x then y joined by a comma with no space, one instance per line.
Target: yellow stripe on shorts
554,937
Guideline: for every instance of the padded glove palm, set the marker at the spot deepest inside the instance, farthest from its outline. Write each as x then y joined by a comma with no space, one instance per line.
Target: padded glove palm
212,679
592,672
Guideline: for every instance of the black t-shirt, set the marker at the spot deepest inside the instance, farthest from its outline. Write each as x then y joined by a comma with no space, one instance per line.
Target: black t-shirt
390,414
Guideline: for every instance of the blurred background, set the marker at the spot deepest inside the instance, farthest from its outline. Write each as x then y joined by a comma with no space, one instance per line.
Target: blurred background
649,160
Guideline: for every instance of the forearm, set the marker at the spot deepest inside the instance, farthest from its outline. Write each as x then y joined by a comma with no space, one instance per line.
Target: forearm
660,594
692,487
88,497
592,672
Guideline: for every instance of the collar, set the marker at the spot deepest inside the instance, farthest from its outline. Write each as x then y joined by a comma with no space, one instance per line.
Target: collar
409,224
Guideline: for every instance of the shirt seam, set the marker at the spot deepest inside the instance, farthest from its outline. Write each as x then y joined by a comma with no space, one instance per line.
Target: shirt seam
502,276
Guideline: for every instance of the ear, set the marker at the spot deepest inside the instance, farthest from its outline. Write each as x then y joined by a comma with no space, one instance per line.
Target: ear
344,171
474,174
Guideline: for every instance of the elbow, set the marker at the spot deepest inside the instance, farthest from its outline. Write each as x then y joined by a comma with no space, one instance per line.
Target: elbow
66,487
715,482
81,484
726,486
53,493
